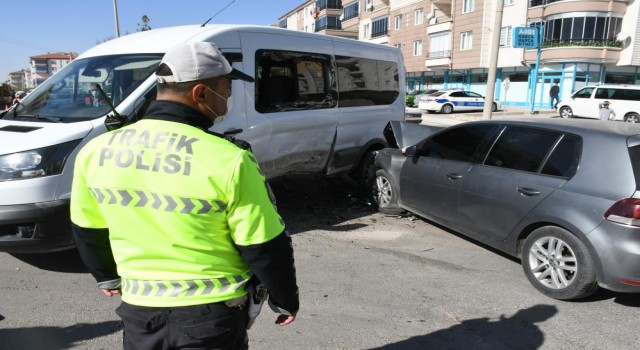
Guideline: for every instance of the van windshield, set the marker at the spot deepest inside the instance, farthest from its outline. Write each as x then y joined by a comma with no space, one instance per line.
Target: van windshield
73,94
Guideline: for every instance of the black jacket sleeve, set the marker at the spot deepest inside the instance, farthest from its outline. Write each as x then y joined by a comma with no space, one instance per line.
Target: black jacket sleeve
273,263
95,251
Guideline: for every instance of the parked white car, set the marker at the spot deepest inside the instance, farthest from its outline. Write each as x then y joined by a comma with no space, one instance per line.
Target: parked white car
448,101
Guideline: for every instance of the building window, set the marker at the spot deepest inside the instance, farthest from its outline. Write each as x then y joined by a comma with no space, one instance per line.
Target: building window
417,48
440,46
283,23
419,16
588,31
328,22
508,2
328,4
351,11
468,6
366,31
505,36
380,27
368,5
398,22
466,40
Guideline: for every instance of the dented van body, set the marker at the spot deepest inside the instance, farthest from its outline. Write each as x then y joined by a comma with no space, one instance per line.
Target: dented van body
319,104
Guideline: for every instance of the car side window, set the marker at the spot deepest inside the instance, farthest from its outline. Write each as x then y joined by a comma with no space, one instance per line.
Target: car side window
522,148
584,93
565,157
460,144
473,94
457,94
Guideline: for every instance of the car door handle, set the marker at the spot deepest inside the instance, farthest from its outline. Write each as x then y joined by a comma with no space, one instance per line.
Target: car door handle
454,176
528,191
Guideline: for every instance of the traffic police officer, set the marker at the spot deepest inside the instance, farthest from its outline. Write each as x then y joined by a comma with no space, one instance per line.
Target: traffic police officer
179,221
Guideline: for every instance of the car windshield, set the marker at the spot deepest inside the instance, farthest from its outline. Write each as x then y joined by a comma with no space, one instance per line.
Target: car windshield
73,94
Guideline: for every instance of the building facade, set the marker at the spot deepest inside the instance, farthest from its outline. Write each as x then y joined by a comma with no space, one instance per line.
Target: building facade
20,80
44,66
447,43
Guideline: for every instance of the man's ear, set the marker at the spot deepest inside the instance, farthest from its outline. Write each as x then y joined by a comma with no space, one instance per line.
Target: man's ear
199,93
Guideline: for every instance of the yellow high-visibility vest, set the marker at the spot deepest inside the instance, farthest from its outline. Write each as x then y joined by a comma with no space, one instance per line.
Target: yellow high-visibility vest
176,201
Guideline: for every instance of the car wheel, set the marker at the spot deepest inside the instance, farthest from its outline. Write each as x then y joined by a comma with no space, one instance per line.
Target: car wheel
385,194
566,112
447,109
632,118
558,264
494,107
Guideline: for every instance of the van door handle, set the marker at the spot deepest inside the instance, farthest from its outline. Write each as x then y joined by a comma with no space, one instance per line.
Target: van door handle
454,176
528,191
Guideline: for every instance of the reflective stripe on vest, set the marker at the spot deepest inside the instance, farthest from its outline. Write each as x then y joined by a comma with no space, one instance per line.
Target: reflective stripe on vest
183,289
157,201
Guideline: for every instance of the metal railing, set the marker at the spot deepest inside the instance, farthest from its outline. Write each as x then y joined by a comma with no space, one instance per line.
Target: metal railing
533,3
439,54
380,33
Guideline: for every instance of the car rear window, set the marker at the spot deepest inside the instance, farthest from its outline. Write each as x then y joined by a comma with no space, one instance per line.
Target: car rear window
634,154
522,148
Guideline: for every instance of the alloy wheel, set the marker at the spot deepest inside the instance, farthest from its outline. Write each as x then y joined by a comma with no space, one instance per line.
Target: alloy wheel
553,262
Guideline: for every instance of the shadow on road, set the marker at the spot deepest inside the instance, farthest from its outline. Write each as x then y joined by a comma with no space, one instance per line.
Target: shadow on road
516,332
309,202
64,261
55,338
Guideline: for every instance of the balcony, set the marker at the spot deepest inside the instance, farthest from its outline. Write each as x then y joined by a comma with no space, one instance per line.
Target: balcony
607,52
534,3
438,59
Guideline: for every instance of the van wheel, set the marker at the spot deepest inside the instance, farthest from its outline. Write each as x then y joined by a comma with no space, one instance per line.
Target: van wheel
494,107
558,264
385,194
447,109
632,118
365,173
566,112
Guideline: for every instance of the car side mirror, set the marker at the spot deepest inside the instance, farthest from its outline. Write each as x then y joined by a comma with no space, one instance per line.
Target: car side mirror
410,151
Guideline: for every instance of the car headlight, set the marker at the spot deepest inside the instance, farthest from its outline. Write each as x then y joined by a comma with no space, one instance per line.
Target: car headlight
39,162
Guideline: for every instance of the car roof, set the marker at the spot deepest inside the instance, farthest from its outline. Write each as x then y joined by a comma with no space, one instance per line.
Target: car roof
574,126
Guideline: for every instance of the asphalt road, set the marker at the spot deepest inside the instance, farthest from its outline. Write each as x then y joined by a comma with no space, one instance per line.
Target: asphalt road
367,281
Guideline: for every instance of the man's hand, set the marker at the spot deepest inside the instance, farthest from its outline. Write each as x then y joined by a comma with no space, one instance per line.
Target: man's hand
284,320
110,292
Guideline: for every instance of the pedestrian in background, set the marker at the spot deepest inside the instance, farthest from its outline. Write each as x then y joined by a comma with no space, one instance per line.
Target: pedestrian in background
19,96
554,94
606,113
178,220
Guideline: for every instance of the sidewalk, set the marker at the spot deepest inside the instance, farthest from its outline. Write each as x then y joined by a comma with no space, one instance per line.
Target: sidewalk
508,112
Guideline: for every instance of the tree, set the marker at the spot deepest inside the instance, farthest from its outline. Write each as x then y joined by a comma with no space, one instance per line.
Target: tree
145,24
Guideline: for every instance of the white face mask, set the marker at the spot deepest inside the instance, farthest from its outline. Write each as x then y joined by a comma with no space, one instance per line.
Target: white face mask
220,118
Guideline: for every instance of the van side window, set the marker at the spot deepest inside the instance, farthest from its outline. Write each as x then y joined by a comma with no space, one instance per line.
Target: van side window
366,82
584,93
618,94
291,81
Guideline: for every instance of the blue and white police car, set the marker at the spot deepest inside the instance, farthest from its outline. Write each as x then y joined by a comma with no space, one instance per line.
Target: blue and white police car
448,101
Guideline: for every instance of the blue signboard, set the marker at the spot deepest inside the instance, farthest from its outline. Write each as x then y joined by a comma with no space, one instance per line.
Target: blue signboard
526,37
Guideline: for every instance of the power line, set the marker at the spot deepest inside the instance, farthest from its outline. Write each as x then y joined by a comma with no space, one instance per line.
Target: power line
21,42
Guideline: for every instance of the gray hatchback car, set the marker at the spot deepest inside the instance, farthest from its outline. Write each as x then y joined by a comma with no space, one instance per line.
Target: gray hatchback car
561,195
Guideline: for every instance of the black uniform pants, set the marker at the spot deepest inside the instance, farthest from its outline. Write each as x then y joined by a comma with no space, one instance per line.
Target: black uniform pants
199,327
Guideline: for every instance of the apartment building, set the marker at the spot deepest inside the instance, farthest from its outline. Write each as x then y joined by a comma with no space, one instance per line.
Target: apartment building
447,43
44,66
20,80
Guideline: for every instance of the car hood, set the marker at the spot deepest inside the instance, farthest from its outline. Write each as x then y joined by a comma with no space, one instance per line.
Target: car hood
18,136
403,134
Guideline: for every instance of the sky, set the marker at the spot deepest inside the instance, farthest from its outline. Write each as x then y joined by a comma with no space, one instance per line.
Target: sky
36,27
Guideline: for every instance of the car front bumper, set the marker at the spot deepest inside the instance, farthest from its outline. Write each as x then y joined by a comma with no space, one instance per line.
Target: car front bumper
618,249
35,228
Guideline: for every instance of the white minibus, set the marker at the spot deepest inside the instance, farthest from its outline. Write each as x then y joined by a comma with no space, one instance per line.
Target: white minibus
624,101
319,104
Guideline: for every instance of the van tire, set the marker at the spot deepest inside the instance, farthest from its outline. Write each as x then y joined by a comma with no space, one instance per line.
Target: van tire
566,112
632,118
365,173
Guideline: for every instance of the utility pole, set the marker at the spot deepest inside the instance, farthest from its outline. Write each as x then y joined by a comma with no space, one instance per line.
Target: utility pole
115,15
493,61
